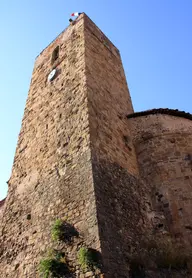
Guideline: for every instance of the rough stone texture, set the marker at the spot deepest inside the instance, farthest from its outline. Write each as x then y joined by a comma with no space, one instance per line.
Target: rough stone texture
52,172
164,150
115,177
2,204
120,209
115,169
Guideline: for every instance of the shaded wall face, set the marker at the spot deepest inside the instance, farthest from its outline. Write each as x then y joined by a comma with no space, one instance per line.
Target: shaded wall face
115,171
164,147
52,174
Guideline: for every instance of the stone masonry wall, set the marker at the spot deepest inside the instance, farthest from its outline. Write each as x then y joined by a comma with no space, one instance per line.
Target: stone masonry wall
118,188
109,100
2,204
52,172
79,158
164,150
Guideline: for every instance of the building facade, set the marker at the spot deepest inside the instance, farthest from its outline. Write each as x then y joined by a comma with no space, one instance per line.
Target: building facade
85,157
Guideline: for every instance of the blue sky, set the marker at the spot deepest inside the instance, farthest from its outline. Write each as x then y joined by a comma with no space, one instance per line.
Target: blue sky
153,36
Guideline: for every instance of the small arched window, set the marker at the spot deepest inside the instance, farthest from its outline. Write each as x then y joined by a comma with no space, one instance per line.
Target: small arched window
55,55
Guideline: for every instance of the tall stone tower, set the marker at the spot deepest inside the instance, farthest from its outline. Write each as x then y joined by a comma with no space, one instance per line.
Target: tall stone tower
83,155
74,156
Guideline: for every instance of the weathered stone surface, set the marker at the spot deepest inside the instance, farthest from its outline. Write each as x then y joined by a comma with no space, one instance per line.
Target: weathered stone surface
52,173
164,149
120,212
2,203
80,157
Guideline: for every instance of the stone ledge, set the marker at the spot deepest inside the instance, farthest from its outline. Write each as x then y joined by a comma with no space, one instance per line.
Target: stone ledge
165,111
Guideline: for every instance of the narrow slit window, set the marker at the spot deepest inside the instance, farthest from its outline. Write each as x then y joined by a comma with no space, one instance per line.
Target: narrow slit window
55,55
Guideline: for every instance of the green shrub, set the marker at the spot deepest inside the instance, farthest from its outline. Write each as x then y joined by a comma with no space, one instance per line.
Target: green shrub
88,258
57,231
58,255
54,265
63,231
47,267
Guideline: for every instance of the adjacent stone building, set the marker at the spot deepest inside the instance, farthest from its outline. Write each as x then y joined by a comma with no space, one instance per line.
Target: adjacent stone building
84,156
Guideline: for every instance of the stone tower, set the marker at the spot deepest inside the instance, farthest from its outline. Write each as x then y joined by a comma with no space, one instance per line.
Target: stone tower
74,156
85,156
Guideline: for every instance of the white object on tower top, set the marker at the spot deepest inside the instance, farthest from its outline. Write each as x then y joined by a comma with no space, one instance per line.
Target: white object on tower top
75,14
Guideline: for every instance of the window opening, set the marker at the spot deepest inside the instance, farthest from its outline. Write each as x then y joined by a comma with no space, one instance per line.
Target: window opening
55,55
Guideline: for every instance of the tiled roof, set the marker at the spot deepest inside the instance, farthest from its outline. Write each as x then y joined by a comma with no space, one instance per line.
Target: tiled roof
166,111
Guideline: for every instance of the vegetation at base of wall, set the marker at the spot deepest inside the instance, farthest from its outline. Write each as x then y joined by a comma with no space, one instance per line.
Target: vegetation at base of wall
63,231
158,252
58,255
88,258
51,268
56,230
54,265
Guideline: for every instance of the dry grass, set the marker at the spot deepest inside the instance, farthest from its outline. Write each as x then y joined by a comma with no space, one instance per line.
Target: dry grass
159,252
